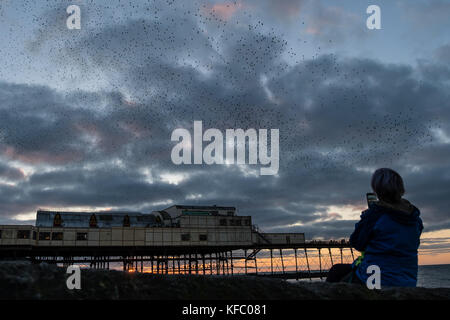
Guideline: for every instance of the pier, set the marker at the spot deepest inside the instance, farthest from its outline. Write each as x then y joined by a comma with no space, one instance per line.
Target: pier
309,260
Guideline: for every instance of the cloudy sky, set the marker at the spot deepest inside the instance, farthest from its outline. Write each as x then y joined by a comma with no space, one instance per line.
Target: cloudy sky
86,115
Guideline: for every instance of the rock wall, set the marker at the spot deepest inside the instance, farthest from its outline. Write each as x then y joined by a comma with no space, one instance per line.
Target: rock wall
23,280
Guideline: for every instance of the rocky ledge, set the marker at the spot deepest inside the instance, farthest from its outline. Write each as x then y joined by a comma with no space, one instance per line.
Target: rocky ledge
23,280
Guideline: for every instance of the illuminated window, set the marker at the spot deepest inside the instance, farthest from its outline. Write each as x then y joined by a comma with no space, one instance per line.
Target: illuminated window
93,221
23,234
57,220
57,236
82,236
44,235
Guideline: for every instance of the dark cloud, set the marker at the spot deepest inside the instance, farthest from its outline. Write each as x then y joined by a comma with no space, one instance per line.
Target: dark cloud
9,173
443,54
331,25
338,229
434,245
431,14
282,10
339,118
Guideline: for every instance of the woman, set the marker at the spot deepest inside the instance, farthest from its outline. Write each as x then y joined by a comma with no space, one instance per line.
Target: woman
388,235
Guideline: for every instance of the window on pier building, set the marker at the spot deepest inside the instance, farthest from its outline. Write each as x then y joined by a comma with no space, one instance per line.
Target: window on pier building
57,236
57,220
106,217
126,221
235,222
44,235
82,236
203,237
0,234
223,222
93,221
185,237
23,234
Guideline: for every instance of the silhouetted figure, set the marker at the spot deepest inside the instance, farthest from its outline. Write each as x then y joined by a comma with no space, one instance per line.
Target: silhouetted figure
388,235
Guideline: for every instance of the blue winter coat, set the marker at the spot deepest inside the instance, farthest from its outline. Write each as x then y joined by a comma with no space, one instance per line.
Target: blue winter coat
389,236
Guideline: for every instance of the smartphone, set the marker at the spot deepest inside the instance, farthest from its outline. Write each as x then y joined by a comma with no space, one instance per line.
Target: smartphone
371,197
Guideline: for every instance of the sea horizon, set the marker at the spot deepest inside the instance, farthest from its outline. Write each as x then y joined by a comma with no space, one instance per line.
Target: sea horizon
429,276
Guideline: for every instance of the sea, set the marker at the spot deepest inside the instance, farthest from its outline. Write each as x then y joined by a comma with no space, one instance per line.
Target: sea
429,276
434,276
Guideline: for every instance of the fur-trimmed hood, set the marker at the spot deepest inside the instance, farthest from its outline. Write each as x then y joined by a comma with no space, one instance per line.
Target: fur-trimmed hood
402,212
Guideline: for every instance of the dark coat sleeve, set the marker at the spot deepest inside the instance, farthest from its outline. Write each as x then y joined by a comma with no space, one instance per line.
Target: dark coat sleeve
363,229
